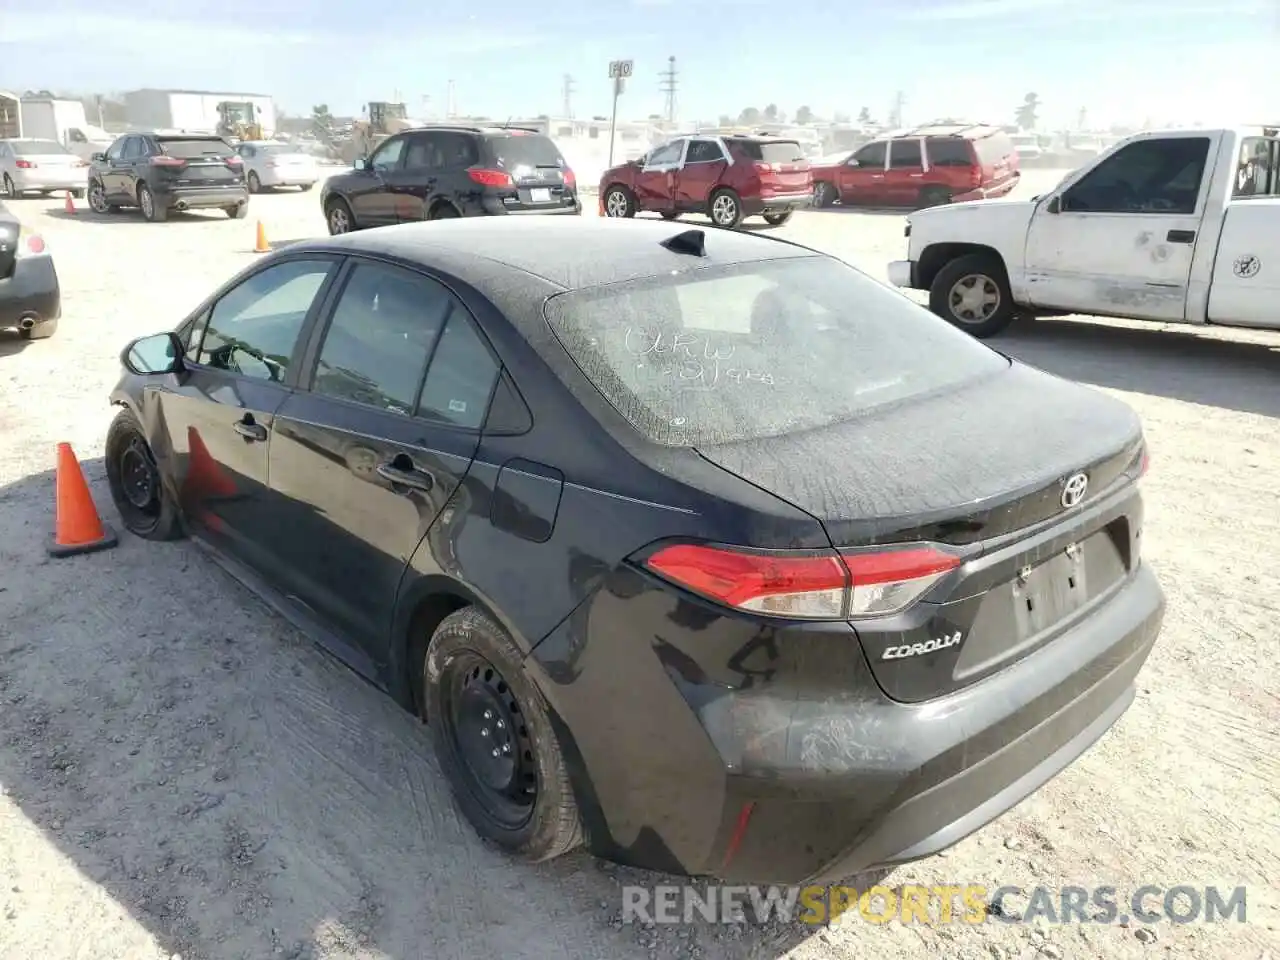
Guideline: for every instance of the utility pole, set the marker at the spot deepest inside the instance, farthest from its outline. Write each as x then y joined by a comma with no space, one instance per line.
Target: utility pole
570,85
895,115
669,85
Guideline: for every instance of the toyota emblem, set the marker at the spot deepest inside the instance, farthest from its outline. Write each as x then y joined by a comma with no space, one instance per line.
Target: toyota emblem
1073,490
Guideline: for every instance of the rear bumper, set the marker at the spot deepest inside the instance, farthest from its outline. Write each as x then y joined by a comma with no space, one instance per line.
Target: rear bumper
778,203
287,178
993,192
32,291
495,207
903,273
36,180
192,198
758,782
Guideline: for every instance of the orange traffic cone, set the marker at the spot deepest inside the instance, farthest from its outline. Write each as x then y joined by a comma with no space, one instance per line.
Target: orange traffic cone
262,246
70,205
77,526
205,479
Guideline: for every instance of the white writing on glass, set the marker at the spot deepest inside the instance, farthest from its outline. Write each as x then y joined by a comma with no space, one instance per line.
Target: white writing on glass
701,361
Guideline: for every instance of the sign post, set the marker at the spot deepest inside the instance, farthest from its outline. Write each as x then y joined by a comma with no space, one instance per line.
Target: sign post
619,72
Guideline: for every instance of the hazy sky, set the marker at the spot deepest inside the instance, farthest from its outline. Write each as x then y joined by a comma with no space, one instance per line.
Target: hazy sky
1128,60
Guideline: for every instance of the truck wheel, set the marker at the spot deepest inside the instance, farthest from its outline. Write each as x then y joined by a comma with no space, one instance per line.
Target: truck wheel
973,293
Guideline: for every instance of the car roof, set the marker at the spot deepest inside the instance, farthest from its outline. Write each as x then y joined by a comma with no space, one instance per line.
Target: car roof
568,252
484,130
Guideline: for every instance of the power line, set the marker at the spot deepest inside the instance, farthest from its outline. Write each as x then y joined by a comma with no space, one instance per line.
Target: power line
570,87
670,83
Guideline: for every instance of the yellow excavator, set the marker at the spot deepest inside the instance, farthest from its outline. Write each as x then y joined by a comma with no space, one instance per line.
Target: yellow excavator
236,120
381,119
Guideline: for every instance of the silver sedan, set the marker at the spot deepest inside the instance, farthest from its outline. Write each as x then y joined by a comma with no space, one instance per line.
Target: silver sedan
269,164
39,166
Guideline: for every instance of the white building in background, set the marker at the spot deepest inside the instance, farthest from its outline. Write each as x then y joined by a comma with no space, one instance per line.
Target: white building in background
585,143
192,110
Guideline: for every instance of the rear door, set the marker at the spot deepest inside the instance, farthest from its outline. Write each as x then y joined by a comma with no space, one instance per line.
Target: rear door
189,163
364,460
905,175
542,177
703,167
655,183
243,354
863,175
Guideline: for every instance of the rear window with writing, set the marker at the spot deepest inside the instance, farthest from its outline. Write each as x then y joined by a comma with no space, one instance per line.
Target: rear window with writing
719,354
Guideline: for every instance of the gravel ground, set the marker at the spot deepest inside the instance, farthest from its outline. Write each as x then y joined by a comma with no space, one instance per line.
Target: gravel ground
182,773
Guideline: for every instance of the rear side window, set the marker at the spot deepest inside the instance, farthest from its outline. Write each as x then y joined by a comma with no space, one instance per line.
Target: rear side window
770,151
762,349
194,148
38,148
949,152
905,153
993,149
525,150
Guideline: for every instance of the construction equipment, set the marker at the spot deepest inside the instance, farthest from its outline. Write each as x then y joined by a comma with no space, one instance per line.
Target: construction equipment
236,120
381,119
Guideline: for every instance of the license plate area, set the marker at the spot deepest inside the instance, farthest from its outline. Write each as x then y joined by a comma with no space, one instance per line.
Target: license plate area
540,195
1054,590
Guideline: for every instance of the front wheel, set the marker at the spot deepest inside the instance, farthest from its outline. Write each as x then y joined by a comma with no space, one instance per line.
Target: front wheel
338,218
98,200
972,292
725,209
619,202
824,195
777,219
494,739
146,509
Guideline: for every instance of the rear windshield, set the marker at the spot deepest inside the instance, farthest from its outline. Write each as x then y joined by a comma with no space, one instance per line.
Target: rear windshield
994,148
771,151
721,354
37,148
276,149
527,150
191,148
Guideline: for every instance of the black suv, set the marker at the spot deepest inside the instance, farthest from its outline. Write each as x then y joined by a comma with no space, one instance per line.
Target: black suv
159,172
443,170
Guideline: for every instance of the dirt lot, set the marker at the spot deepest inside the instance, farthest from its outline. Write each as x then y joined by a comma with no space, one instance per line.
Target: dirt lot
182,773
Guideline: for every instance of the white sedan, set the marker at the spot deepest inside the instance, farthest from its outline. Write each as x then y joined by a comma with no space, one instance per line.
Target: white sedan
28,165
269,164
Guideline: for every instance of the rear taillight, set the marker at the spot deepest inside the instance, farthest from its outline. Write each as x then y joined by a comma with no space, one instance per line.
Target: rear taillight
161,161
31,244
1144,464
806,585
24,164
762,167
975,175
491,178
570,178
235,161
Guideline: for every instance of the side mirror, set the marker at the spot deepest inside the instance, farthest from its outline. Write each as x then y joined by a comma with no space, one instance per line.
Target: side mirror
158,353
853,163
98,157
362,164
1054,205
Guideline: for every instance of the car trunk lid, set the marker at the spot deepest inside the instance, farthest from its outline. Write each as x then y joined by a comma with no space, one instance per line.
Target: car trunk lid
540,177
780,164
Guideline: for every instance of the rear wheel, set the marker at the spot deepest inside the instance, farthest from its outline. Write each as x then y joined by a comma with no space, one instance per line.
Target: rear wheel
777,219
973,293
935,196
255,184
145,508
152,210
494,739
237,212
78,194
725,209
304,187
338,217
10,191
669,214
619,202
444,211
824,195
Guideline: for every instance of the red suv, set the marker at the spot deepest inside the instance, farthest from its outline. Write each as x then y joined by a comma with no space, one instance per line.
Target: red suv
726,178
924,168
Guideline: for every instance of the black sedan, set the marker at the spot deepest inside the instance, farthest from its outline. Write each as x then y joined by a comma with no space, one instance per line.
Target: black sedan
30,295
704,548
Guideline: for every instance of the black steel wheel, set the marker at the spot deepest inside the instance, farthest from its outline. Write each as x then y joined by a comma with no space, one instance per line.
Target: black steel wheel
136,486
494,739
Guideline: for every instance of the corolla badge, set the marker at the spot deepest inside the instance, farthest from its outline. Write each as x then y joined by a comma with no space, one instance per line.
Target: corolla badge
1073,490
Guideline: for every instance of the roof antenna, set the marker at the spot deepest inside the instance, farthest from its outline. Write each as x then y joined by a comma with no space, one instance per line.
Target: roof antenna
692,242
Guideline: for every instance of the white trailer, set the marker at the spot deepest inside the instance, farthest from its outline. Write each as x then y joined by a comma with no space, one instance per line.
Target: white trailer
191,110
64,122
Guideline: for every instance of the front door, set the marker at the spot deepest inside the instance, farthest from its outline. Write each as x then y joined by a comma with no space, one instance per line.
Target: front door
656,181
905,174
1122,238
115,172
372,202
364,460
413,183
703,167
862,176
218,415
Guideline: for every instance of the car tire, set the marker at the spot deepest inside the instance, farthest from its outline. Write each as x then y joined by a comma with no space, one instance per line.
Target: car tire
77,194
238,212
98,200
824,194
935,197
725,209
255,184
304,187
777,219
338,217
619,202
8,189
152,211
444,211
473,681
974,279
145,507
669,215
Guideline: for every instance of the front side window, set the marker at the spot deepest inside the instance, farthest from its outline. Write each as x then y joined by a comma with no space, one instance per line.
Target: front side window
116,150
388,155
253,328
872,155
1149,176
667,153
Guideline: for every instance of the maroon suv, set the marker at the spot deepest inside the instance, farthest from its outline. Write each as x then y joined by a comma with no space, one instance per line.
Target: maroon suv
725,178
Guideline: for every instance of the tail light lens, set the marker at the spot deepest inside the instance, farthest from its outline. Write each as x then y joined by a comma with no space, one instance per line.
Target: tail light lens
24,164
235,161
162,161
975,175
806,585
491,178
33,243
570,178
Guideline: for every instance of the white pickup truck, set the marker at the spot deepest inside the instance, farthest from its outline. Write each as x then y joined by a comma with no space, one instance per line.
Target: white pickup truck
1177,226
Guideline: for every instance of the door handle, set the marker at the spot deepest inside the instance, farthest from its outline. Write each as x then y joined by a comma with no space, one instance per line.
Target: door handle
405,476
1181,236
250,430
